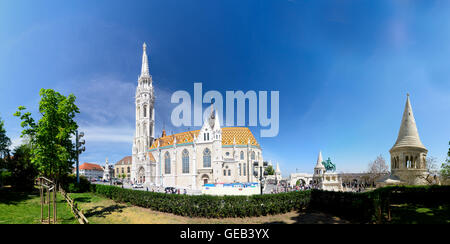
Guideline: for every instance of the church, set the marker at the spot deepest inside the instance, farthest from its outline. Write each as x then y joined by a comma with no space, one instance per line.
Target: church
189,159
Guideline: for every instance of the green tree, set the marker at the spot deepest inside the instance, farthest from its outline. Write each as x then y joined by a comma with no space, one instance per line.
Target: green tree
445,168
22,171
52,150
5,142
270,170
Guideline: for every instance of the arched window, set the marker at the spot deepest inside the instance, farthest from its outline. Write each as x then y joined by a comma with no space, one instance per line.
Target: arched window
242,155
206,158
145,111
229,172
185,160
253,155
240,169
245,169
167,163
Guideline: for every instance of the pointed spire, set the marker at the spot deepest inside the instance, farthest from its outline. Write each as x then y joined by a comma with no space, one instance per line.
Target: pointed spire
144,70
277,170
408,136
319,161
216,120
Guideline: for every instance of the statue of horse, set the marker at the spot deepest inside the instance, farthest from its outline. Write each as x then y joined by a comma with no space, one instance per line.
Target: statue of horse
329,166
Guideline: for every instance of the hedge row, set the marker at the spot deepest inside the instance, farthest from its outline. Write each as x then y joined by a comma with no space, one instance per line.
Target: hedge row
351,205
209,206
374,206
366,207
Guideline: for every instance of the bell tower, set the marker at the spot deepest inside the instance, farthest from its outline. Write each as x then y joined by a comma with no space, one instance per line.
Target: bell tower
145,117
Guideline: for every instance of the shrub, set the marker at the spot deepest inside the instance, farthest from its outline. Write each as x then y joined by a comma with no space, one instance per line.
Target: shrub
69,184
209,206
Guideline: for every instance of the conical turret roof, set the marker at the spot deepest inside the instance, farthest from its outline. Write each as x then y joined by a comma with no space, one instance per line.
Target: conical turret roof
319,161
408,136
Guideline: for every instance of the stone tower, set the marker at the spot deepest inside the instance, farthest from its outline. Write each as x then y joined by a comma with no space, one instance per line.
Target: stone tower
408,155
145,122
319,170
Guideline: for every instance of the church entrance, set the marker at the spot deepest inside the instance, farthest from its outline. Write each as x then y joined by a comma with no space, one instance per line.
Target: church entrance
141,175
205,179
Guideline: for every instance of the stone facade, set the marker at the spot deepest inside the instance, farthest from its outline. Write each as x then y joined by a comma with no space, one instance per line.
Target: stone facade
123,167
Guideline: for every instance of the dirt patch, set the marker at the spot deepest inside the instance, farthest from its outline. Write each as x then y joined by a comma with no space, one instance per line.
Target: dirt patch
105,211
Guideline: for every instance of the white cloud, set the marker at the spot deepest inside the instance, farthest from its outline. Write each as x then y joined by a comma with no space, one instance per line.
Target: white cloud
123,134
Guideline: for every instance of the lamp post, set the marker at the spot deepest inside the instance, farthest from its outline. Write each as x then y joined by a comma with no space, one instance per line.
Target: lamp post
78,143
261,174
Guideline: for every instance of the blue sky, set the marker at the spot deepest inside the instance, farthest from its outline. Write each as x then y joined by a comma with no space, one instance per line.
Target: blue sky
343,69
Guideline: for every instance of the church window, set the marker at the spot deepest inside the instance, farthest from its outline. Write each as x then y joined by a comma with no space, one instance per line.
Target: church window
206,158
185,161
145,111
245,169
242,155
224,172
167,163
253,155
229,172
240,169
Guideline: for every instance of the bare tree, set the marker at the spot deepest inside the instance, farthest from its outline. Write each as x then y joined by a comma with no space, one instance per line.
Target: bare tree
377,168
432,167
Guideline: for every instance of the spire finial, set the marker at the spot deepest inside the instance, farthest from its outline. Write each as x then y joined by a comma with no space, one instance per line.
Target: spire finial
144,70
407,94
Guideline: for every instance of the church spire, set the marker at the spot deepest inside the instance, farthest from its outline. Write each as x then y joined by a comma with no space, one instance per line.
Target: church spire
408,136
144,69
319,161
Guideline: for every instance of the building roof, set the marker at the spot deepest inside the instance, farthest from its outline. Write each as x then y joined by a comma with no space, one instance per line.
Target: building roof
150,156
89,166
408,136
319,164
230,135
125,161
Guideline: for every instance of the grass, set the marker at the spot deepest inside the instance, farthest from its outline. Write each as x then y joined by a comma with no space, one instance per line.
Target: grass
25,208
100,210
419,214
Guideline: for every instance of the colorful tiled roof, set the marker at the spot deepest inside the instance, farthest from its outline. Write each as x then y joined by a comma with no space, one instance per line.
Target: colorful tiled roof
89,166
150,156
241,135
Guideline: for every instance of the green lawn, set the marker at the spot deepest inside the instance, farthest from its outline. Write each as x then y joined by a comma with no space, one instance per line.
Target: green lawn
418,214
25,208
